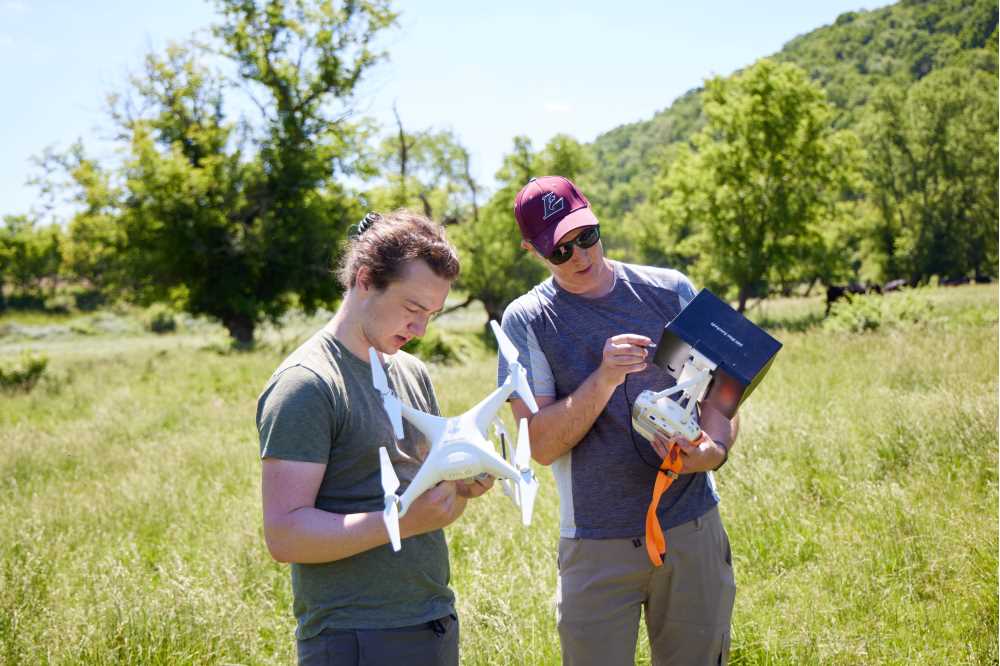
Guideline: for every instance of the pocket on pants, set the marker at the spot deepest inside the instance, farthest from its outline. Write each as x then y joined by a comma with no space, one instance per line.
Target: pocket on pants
329,647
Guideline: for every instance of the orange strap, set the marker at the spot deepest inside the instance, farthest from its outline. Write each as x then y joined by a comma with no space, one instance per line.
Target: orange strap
670,468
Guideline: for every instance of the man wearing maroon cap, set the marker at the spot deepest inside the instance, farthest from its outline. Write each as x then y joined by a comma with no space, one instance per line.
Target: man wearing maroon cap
586,332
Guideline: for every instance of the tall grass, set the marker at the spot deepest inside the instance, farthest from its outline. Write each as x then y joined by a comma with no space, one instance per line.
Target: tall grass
861,502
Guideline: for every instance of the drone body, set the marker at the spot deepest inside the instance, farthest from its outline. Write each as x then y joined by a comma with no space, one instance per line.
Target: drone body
655,413
459,448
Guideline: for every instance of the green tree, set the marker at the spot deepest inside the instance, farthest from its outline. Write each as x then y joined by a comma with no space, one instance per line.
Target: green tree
426,170
93,248
241,220
932,163
30,256
749,204
495,269
849,59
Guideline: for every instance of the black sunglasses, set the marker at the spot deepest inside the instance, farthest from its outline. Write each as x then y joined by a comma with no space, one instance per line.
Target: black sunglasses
588,237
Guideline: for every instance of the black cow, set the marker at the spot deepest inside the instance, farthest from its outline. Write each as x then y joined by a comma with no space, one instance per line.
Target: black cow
835,292
954,282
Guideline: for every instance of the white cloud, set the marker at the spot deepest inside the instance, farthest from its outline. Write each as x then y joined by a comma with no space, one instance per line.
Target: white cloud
556,107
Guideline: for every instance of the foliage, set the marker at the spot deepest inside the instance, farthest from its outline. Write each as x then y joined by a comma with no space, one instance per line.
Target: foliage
159,318
23,374
750,205
435,347
899,44
871,312
30,256
429,171
235,220
495,268
932,164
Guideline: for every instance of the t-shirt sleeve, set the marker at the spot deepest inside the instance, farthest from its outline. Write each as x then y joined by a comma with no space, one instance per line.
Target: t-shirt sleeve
530,355
295,417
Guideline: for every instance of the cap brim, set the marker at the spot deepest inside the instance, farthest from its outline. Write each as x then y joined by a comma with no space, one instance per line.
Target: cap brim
581,217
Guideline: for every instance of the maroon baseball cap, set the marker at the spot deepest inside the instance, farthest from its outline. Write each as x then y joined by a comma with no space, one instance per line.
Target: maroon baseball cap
548,208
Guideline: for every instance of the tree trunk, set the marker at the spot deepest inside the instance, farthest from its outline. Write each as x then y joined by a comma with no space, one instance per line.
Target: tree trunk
812,283
494,311
744,294
459,306
240,327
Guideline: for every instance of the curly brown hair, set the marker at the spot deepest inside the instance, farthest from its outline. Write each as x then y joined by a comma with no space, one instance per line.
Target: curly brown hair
386,243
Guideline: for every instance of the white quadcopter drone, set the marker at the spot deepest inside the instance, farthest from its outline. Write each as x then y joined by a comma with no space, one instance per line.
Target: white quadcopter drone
459,445
655,413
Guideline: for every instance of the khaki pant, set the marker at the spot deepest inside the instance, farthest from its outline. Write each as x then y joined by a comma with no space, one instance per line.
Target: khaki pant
688,601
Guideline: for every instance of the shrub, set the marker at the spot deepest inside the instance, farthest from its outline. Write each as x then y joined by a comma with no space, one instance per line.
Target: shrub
60,303
872,312
434,347
88,300
160,318
23,375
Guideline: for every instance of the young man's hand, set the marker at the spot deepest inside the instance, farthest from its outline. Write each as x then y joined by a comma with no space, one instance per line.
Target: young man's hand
438,507
475,486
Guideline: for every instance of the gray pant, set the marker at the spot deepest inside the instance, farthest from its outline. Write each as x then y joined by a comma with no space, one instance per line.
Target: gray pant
429,644
603,584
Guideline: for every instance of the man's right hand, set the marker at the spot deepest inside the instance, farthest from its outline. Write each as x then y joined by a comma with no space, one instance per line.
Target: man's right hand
438,507
622,355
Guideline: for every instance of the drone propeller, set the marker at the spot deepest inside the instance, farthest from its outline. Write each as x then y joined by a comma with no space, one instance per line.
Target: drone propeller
389,401
522,454
390,514
527,484
517,371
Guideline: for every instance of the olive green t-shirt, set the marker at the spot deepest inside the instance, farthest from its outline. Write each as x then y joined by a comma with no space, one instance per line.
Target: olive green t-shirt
320,406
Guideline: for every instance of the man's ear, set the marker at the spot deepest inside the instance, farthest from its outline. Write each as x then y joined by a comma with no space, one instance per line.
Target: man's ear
363,279
525,245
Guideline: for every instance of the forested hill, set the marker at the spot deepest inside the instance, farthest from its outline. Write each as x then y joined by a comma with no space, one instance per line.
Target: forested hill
901,43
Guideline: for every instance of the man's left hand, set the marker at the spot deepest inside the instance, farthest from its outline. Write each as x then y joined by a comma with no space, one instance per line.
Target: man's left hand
704,456
475,486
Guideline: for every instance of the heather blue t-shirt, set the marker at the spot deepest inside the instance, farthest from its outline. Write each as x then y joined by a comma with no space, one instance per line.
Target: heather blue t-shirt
604,487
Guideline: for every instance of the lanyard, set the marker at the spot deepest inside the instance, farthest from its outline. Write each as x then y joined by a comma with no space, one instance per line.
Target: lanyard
670,469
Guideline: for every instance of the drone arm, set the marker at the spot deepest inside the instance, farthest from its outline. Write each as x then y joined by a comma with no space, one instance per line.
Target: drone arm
431,426
495,467
486,411
422,482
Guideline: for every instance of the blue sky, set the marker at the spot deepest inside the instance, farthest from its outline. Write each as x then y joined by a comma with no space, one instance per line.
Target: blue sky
488,71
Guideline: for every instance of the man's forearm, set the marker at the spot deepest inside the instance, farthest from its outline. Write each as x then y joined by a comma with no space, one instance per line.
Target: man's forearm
559,426
309,535
717,426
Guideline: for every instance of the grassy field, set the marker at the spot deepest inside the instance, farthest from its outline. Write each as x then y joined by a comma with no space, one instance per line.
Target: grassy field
861,499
